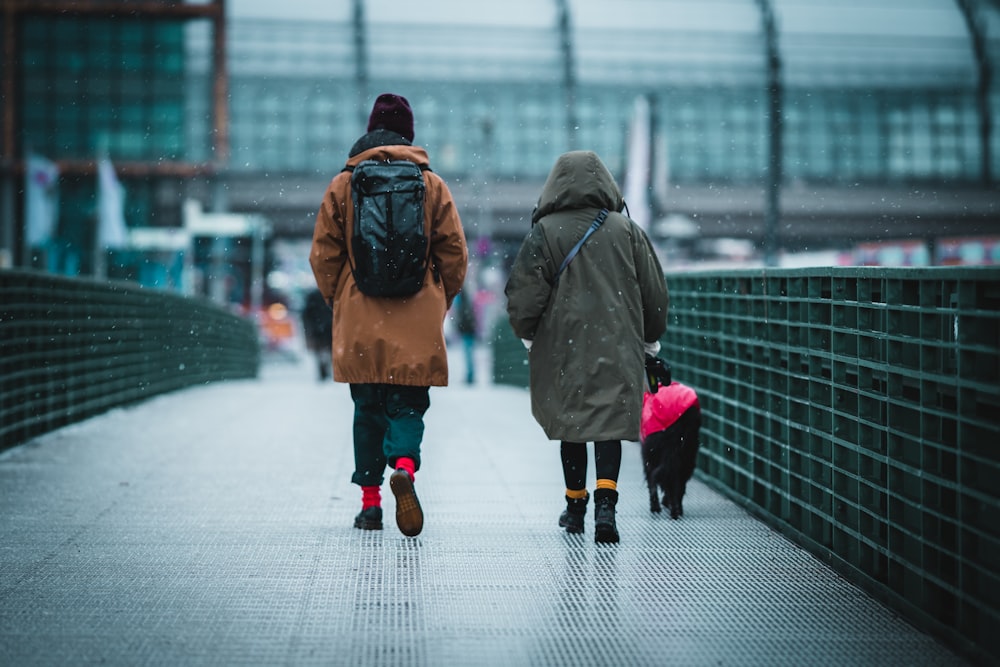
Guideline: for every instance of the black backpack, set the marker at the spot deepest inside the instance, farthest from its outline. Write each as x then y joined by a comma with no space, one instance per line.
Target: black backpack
390,247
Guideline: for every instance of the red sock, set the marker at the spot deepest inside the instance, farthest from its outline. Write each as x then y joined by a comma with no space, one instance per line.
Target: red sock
371,496
407,464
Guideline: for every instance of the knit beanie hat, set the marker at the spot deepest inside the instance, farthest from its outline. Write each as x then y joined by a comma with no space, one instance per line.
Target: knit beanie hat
392,112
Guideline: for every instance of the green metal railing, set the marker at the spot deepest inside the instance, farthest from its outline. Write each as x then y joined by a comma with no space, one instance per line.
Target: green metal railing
71,348
857,410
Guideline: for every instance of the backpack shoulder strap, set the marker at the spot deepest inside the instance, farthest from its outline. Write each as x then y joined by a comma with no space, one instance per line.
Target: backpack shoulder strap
598,221
350,167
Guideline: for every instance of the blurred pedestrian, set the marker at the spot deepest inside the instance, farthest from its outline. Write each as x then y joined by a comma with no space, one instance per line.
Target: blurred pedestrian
465,323
390,349
588,314
317,326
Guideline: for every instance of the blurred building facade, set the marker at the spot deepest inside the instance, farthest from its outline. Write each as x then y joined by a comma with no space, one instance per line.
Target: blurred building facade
884,111
86,81
779,123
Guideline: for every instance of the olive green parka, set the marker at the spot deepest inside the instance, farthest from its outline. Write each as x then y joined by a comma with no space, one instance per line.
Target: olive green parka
587,329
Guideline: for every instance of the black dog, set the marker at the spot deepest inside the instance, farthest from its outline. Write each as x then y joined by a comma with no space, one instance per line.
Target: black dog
671,427
669,457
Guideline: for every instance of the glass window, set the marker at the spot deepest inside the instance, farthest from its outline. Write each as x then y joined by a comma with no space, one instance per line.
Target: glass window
116,85
871,145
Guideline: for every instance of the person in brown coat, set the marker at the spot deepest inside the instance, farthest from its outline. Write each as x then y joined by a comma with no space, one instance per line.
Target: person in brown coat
390,350
588,329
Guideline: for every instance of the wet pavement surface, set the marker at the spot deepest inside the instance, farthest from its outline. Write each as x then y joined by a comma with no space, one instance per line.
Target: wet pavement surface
214,526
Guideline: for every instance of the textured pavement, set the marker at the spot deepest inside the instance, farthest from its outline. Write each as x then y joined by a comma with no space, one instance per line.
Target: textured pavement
213,526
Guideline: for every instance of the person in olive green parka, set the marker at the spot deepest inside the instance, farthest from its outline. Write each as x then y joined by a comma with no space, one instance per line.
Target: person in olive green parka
588,333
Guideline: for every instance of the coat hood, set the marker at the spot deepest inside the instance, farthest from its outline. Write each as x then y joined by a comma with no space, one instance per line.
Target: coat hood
579,179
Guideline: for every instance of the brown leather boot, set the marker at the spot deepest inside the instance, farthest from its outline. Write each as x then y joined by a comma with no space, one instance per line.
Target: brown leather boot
409,516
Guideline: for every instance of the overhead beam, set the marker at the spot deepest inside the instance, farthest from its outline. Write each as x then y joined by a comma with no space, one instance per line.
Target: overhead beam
568,71
361,61
984,80
10,49
774,132
220,84
136,8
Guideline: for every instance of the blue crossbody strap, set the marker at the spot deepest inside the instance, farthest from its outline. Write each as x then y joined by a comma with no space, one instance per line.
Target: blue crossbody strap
598,221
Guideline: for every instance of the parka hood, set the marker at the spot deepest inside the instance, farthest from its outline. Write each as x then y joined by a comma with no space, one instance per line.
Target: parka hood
579,179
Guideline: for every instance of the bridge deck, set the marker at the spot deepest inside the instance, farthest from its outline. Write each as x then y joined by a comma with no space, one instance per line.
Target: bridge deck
214,526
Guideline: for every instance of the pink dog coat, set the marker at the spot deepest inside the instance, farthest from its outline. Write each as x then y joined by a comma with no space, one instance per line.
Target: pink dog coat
661,410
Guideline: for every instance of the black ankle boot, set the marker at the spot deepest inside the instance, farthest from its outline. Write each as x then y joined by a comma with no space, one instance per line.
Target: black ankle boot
369,518
572,517
605,528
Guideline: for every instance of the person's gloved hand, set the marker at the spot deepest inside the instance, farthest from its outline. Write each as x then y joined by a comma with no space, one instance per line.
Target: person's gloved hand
657,373
651,349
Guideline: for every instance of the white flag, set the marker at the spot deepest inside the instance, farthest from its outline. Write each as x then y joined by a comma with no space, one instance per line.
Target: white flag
41,200
637,164
111,229
661,172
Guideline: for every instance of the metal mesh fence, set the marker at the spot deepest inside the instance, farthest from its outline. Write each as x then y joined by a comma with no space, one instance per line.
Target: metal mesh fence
857,410
72,348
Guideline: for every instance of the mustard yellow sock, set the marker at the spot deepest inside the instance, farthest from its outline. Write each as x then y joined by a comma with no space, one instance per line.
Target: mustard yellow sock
607,484
576,494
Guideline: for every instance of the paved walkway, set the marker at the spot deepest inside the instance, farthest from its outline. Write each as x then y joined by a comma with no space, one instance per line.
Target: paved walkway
213,526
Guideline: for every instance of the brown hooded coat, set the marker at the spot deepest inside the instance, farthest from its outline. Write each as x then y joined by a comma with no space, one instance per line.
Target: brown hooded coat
389,340
587,359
